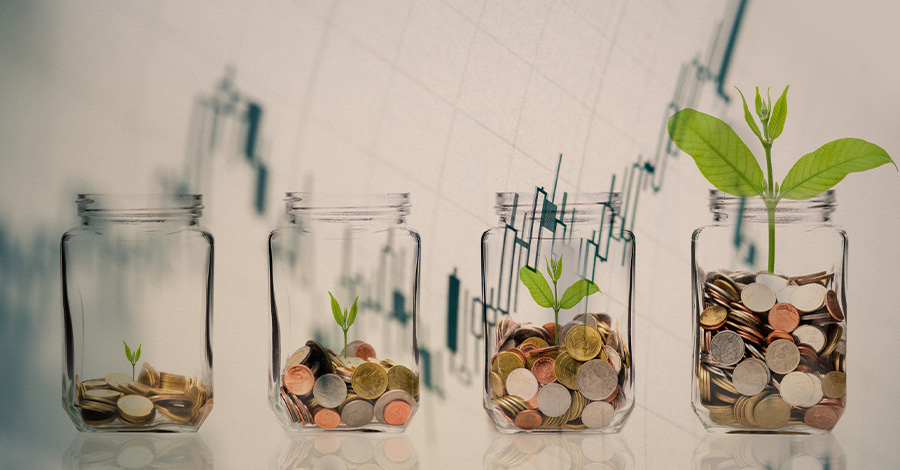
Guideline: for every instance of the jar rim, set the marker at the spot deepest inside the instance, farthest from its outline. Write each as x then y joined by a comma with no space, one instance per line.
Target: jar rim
301,200
817,208
506,199
139,206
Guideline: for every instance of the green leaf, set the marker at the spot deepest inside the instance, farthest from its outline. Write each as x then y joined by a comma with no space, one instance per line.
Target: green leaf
137,354
352,317
549,268
779,114
581,289
749,117
128,352
336,310
759,104
558,269
816,172
537,286
719,153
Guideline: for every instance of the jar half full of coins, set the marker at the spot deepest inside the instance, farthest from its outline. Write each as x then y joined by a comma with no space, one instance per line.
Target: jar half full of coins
137,314
558,290
344,296
769,347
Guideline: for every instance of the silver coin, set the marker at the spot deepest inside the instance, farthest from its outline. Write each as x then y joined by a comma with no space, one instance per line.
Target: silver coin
585,318
750,376
393,395
818,391
597,379
772,281
522,383
357,413
782,356
797,389
784,295
352,347
330,390
357,449
613,357
810,335
597,414
554,400
727,348
758,297
809,297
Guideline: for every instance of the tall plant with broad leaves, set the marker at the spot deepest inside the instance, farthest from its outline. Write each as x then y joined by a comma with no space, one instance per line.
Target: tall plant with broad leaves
344,318
731,167
546,297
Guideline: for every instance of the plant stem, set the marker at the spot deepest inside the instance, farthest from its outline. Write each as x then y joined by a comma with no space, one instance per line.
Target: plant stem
770,197
132,370
345,344
555,314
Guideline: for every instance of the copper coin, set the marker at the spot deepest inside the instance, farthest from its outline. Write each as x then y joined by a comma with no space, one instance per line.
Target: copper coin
834,307
543,370
365,351
299,380
527,348
784,317
397,412
821,417
326,418
529,419
778,334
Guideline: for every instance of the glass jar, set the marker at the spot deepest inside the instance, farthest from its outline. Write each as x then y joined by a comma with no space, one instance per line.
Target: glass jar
570,370
137,272
344,291
769,348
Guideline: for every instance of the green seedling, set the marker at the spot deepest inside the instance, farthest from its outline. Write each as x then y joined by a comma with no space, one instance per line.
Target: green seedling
132,358
343,318
545,297
728,164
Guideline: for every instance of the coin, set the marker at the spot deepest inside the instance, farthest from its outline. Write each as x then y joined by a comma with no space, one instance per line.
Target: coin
750,376
528,419
397,412
812,336
402,378
821,417
356,413
727,348
369,380
728,287
180,410
597,379
135,409
772,412
613,357
554,400
758,297
784,295
834,307
506,362
365,351
299,380
713,317
498,389
543,370
394,395
566,369
772,281
522,383
809,297
797,388
585,319
327,418
784,317
834,384
597,414
330,390
583,342
782,356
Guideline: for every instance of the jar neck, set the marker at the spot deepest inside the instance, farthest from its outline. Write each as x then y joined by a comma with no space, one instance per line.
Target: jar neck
725,208
579,209
385,209
144,209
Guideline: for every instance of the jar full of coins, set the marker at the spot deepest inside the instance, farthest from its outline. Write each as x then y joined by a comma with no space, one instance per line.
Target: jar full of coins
558,296
344,296
137,311
769,347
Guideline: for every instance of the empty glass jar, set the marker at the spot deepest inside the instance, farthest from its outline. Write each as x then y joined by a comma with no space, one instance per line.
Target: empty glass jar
557,349
769,348
137,310
344,291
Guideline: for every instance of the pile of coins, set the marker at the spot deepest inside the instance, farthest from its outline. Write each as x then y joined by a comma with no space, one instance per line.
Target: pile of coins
175,399
771,350
577,384
322,389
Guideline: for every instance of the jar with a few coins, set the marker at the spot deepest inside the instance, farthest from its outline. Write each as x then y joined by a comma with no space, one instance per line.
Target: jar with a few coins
344,296
769,347
137,289
558,299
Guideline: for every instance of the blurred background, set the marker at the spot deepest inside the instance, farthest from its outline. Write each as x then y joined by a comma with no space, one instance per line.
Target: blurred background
451,101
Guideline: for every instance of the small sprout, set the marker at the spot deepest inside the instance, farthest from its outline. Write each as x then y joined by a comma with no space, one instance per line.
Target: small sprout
132,358
546,297
343,318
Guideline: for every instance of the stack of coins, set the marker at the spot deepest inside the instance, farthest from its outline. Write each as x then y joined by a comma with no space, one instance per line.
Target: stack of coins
322,389
176,398
577,384
771,350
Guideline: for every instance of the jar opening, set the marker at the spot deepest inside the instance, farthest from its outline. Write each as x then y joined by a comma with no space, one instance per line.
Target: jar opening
340,207
572,208
753,209
139,207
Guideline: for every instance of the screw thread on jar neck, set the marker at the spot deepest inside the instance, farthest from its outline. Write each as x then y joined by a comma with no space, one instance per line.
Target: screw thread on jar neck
139,208
575,209
726,208
384,208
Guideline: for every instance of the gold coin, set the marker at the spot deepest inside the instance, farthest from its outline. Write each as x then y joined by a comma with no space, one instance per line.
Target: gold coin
834,384
577,406
540,343
566,370
772,412
583,342
135,409
497,388
369,380
713,317
506,362
401,378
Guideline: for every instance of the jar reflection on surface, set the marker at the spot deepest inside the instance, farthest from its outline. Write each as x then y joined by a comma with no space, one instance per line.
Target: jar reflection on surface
345,450
792,325
555,451
769,451
150,451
